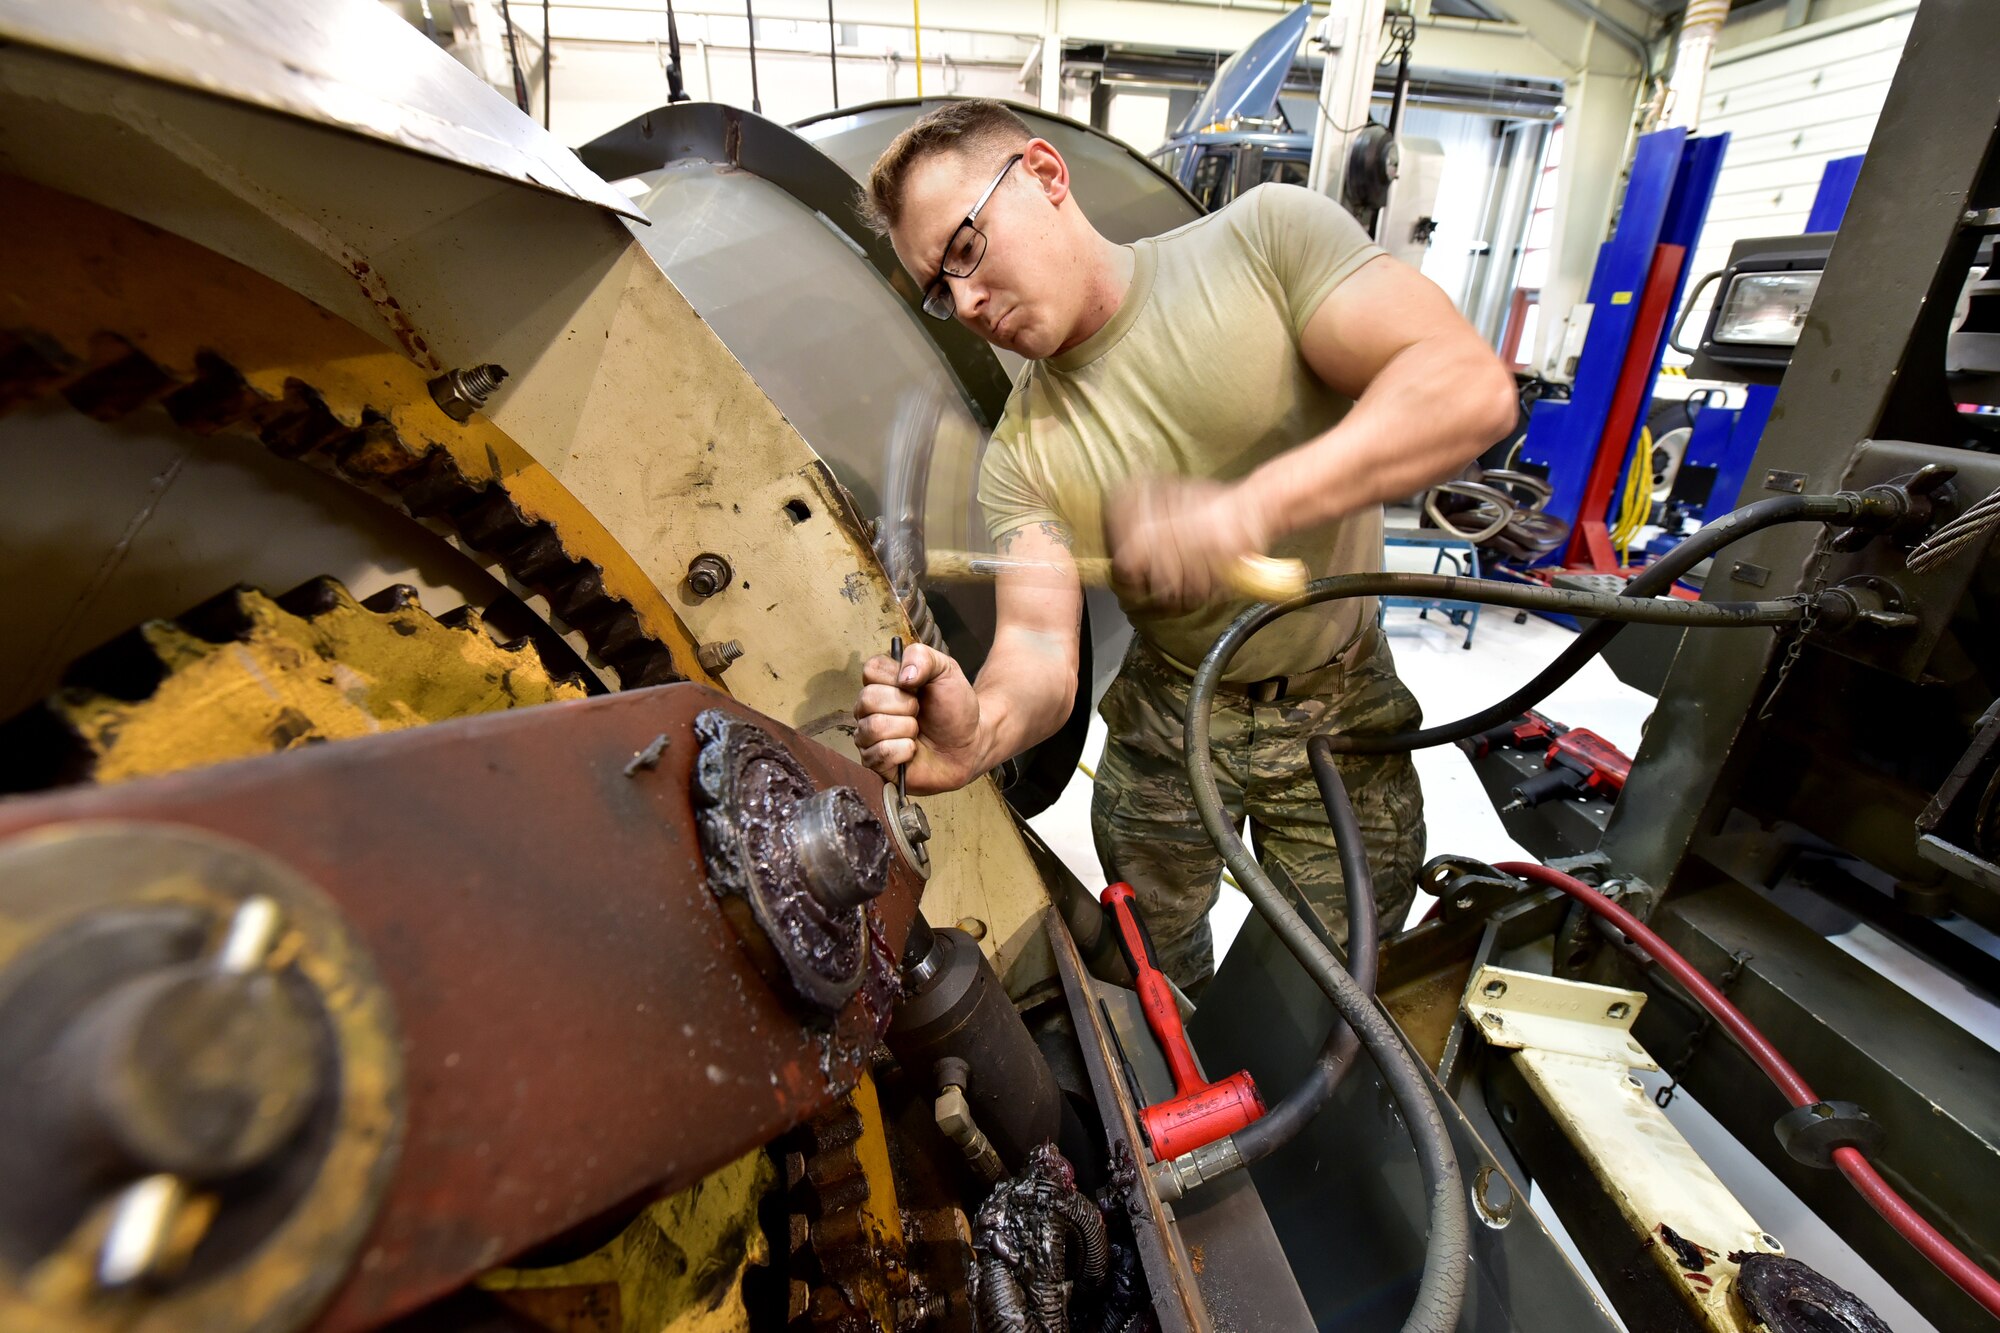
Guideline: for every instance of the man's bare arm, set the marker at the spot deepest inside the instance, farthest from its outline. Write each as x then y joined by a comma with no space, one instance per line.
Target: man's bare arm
949,730
1028,684
1429,394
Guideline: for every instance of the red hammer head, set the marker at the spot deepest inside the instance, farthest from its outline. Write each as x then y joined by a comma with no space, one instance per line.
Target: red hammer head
1195,1119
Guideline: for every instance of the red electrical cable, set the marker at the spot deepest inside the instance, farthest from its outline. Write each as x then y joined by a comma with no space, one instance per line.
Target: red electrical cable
1881,1196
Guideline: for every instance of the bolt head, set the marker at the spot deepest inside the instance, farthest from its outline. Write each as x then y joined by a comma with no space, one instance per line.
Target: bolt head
708,574
842,848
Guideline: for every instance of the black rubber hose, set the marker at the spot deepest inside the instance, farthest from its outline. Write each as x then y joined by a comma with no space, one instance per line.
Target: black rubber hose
1534,597
1657,578
1441,1291
1282,1123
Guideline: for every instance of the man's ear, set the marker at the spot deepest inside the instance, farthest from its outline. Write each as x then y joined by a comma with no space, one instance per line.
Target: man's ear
1041,161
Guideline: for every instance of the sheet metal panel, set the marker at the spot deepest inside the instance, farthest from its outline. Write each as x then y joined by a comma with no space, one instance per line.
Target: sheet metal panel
350,65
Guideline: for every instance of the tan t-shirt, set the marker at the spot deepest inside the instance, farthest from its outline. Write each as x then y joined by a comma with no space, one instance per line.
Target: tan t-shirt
1198,374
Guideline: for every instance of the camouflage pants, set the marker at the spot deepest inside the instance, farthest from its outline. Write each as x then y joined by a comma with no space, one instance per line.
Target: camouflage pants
1149,834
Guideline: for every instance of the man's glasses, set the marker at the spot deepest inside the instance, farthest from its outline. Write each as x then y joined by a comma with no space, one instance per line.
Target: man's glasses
962,254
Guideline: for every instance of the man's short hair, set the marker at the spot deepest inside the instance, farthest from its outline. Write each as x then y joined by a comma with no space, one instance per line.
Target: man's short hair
976,127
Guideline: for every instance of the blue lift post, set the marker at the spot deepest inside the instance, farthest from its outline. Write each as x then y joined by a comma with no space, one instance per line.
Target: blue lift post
1666,200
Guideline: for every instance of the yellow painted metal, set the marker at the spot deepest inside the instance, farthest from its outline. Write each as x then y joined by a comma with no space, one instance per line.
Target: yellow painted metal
809,603
880,1214
678,1268
1573,1044
288,680
618,389
97,284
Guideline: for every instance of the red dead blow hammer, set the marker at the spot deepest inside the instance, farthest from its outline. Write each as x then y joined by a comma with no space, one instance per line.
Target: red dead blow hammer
1199,1112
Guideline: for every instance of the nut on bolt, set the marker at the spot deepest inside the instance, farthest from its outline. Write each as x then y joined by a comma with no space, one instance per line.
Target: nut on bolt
915,824
460,393
716,657
707,575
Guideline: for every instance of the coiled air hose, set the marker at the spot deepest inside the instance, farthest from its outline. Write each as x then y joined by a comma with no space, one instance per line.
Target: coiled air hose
1441,1292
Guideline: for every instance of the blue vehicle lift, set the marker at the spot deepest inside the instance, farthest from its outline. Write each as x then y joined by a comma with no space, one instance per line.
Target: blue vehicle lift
1585,442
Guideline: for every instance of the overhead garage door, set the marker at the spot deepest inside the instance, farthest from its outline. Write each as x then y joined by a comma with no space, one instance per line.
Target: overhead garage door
1789,110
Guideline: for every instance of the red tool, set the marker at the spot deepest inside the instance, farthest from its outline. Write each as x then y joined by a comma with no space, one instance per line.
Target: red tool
1528,730
1579,762
1200,1112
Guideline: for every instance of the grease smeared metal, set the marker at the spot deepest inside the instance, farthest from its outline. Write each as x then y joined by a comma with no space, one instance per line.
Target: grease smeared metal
1788,1297
1693,1258
1041,1245
750,791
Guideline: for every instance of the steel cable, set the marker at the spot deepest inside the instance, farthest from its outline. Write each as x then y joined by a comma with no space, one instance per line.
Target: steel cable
1970,527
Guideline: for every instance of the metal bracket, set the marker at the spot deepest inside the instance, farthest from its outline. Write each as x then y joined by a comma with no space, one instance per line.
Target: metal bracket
1528,1011
1572,1044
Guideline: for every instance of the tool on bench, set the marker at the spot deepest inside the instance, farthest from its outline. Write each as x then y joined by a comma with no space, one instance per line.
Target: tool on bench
1579,763
1262,577
1199,1112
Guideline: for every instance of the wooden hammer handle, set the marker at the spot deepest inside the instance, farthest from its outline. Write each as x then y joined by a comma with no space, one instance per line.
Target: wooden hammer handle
1263,578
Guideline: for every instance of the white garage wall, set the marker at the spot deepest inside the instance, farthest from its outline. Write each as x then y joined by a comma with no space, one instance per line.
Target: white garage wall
1788,111
1140,119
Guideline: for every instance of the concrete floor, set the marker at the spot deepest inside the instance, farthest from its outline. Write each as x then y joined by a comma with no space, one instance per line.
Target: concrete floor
1449,681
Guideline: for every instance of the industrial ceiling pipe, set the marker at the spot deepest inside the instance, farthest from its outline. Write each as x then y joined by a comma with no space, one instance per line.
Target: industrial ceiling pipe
1700,26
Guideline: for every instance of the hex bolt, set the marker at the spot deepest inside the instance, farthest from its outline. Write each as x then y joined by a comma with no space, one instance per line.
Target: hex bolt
1494,989
151,1214
716,657
1618,1009
707,575
460,393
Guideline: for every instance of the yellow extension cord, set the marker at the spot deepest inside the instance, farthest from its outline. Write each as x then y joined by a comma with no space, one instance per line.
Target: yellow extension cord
1636,505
